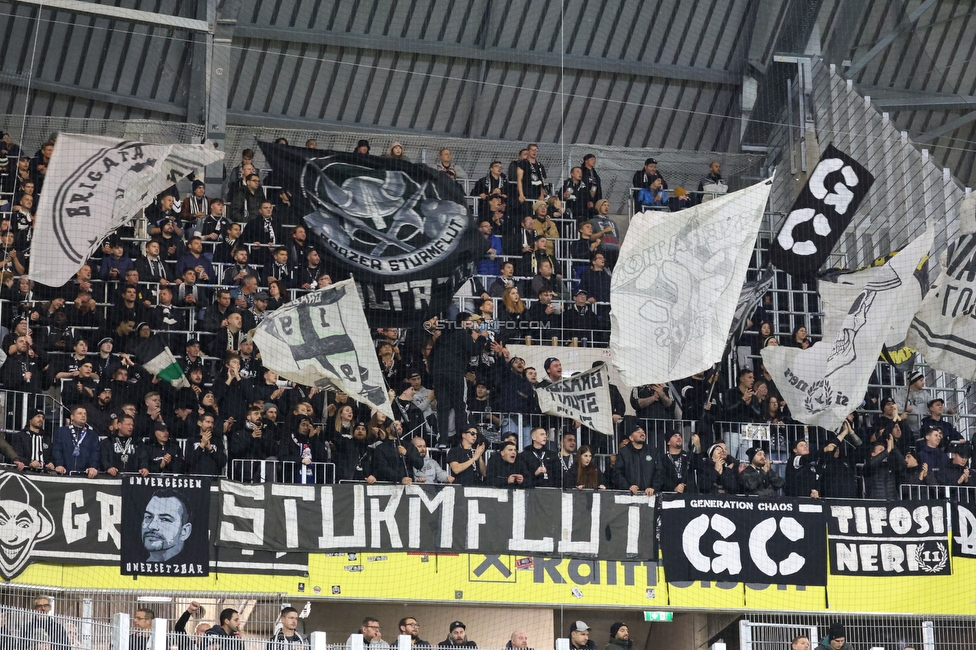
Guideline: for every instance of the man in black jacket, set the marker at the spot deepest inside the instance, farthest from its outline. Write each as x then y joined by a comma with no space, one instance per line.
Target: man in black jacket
758,479
636,467
802,479
539,465
119,454
392,461
449,363
33,445
160,455
676,468
503,468
205,454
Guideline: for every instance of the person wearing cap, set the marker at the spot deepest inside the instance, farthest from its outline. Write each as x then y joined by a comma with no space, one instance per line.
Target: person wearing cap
644,177
619,637
531,179
253,316
676,467
405,411
914,397
457,637
758,478
580,320
32,444
802,478
579,637
836,638
196,205
882,468
635,469
362,148
958,471
160,455
894,425
393,460
718,472
936,408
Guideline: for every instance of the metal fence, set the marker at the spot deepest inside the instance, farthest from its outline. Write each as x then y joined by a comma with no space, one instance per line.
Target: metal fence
887,632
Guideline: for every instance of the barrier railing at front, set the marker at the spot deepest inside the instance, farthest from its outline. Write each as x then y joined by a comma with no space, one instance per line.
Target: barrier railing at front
281,471
953,493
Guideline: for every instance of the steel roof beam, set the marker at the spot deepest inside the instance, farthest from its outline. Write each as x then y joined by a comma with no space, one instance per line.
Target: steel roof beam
500,55
120,13
886,40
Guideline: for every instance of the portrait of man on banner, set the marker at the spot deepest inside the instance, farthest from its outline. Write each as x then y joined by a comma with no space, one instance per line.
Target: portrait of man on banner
165,527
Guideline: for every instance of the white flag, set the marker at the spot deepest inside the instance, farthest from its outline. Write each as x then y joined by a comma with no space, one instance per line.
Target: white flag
322,339
584,397
676,285
825,382
944,328
94,185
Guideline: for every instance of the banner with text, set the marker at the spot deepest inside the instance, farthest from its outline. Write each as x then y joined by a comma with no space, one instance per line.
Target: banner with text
879,538
584,397
62,521
609,526
743,539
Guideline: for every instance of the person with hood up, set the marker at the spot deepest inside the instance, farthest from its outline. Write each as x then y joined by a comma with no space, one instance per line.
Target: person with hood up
836,638
619,637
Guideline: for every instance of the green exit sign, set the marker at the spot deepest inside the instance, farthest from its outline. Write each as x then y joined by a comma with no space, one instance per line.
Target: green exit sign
659,617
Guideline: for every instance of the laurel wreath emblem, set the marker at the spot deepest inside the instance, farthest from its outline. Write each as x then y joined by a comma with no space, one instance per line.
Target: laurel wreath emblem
938,567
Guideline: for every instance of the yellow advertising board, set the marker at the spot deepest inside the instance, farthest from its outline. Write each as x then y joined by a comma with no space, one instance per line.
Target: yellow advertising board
508,580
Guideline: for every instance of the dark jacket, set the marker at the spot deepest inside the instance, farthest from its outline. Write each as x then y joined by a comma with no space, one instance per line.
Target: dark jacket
22,442
755,482
531,459
801,476
838,479
618,644
206,462
712,482
116,453
666,478
498,472
151,455
389,465
881,474
634,467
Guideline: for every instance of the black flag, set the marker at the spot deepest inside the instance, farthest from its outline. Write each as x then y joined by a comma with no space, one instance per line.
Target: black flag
820,214
402,230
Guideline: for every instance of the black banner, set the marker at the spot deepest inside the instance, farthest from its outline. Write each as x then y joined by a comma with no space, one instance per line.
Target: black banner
878,538
963,529
608,526
820,214
70,521
165,525
743,539
402,230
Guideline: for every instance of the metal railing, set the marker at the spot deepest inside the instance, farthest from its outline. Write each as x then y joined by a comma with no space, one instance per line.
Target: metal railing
281,471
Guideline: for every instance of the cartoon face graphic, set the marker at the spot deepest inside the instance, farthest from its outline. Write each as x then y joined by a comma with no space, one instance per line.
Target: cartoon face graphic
24,521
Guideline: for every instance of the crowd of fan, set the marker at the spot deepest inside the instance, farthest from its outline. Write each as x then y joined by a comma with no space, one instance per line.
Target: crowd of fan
453,383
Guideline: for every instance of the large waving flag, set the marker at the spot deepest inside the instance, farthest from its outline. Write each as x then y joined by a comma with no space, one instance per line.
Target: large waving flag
825,382
157,360
944,328
401,230
677,283
322,339
96,184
